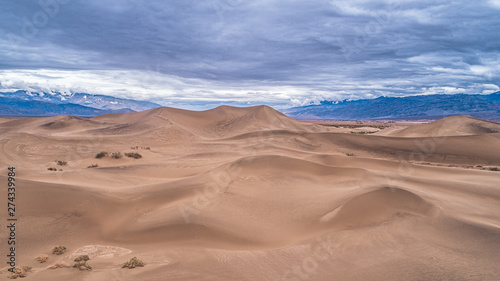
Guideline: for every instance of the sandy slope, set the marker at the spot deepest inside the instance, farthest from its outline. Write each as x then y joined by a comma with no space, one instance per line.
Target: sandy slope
250,194
459,125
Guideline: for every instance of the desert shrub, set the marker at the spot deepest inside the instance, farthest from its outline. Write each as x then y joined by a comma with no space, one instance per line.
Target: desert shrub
52,169
20,272
349,154
101,154
81,263
61,163
59,250
93,166
41,258
133,155
116,155
82,258
132,263
59,264
493,169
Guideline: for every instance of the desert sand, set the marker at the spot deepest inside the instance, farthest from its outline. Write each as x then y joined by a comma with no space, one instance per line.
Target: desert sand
251,194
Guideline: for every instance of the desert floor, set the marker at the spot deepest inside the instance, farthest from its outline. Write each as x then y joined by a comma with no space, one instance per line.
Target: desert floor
250,194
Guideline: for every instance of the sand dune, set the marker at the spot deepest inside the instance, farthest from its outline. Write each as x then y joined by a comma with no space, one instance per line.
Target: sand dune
378,206
460,125
251,194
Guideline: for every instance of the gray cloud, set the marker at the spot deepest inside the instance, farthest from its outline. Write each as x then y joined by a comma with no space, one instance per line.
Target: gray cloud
229,50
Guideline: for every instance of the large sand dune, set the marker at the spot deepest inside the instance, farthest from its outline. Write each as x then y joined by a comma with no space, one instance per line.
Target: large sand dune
250,194
459,125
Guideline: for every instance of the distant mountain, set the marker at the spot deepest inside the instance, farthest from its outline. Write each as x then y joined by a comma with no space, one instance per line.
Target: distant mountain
17,107
96,101
429,107
24,103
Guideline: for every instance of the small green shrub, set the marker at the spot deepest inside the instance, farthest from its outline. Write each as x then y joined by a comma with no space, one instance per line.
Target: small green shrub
59,250
41,258
132,263
81,263
133,155
20,272
101,154
116,155
82,258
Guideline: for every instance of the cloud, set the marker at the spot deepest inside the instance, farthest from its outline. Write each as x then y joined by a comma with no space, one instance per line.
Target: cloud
260,51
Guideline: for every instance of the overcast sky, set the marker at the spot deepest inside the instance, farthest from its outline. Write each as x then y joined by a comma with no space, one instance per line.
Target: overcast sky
281,53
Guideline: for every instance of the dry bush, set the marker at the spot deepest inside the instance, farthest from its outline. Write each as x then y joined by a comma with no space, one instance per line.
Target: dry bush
20,272
133,155
59,250
349,154
52,169
81,263
41,258
493,169
101,154
59,264
116,155
133,262
61,163
93,166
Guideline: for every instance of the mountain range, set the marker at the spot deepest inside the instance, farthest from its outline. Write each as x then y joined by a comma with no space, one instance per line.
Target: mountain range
424,107
25,103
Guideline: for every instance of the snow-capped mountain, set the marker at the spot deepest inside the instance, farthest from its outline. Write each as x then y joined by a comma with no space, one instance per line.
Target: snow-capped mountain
425,107
102,102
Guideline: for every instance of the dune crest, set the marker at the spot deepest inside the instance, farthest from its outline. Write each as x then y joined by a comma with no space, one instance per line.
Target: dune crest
459,125
379,206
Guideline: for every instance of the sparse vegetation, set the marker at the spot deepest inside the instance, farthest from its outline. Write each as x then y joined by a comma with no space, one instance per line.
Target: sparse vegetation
142,147
41,258
133,155
93,166
101,154
116,155
493,169
20,272
59,264
133,263
61,163
59,250
119,155
81,263
363,132
52,169
349,154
